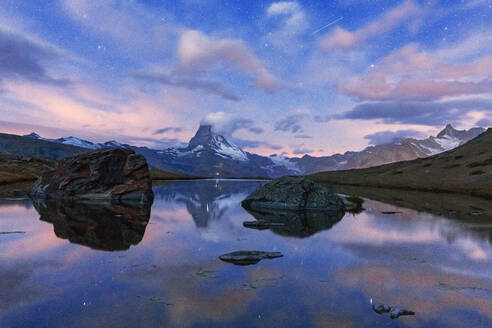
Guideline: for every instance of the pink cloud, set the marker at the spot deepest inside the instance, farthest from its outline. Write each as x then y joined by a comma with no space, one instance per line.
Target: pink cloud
95,112
199,52
344,39
412,74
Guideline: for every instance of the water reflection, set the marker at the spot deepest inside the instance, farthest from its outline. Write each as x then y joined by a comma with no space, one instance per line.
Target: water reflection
106,226
297,224
436,265
207,200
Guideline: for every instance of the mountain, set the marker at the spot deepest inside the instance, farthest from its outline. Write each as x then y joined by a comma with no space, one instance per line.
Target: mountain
398,150
29,146
74,141
465,169
209,154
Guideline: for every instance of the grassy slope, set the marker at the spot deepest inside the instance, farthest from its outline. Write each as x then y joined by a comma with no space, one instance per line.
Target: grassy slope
466,169
157,174
24,146
15,169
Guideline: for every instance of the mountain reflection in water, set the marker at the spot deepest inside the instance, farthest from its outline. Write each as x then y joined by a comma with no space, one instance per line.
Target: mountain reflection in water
432,256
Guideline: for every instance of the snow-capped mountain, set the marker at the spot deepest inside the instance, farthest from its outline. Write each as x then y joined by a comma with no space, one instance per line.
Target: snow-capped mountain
398,150
211,154
74,141
207,141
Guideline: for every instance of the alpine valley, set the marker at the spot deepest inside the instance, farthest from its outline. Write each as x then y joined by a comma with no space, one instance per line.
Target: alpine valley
209,154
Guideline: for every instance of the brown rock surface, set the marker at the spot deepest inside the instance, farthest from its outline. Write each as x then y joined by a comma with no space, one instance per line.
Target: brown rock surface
116,174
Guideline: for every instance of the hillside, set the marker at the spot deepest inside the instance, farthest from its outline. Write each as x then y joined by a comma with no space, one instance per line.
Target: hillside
157,174
29,147
15,169
465,169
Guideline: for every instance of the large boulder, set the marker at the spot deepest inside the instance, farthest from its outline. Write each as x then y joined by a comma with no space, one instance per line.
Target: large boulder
294,194
103,175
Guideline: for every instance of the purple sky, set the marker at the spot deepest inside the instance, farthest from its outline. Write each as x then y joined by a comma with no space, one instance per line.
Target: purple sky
315,77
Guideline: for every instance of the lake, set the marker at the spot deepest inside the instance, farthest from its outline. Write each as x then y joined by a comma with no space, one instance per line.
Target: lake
114,267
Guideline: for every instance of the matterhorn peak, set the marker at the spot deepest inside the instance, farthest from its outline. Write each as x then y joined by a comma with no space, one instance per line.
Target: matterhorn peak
208,140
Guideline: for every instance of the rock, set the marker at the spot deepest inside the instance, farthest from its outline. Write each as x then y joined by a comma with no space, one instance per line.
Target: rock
380,308
104,226
396,313
353,204
294,194
116,174
248,257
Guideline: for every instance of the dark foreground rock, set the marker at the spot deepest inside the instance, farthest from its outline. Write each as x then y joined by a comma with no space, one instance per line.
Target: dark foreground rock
294,194
248,257
106,226
109,174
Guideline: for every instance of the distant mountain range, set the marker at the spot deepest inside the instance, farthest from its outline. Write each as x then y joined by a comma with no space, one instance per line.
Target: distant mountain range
212,155
466,169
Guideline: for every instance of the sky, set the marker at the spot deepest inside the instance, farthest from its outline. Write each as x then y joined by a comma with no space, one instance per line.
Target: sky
289,77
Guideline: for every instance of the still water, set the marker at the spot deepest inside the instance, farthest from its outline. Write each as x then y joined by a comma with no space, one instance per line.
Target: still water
101,267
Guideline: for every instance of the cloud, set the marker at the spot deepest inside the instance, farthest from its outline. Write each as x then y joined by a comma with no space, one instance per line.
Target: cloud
283,8
301,151
386,137
293,23
410,74
290,23
291,123
303,136
24,58
423,113
226,124
485,122
136,115
341,38
188,82
161,143
198,53
256,130
168,129
244,143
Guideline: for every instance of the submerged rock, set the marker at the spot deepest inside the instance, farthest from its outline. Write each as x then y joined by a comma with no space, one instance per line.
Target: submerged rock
396,313
116,174
248,257
104,226
294,194
380,308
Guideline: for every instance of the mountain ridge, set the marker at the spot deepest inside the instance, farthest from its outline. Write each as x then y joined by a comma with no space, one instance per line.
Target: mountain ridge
210,154
464,169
